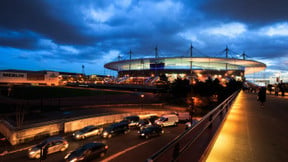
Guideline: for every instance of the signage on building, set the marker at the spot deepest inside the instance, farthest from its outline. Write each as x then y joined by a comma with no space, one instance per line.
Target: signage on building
13,75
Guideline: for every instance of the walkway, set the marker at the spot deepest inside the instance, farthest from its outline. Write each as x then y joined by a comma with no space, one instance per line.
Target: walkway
252,133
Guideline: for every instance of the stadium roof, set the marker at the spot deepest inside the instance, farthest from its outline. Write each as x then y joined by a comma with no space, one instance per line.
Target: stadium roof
198,63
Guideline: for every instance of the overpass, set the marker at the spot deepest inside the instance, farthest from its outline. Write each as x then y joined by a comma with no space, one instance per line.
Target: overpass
235,131
252,133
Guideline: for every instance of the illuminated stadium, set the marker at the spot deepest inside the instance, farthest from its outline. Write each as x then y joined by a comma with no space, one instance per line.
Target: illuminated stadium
147,70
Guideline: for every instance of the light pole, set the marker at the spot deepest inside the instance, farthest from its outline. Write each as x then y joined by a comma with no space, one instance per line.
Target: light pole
142,99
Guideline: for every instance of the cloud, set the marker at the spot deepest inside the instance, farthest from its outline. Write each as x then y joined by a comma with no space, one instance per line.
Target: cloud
279,29
248,11
95,32
230,30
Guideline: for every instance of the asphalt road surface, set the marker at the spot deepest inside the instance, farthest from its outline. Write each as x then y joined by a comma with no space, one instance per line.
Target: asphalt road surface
128,148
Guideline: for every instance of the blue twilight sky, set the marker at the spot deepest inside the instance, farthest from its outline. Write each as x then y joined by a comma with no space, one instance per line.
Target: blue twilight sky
63,35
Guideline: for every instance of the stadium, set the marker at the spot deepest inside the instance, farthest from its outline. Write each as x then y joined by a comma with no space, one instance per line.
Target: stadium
148,70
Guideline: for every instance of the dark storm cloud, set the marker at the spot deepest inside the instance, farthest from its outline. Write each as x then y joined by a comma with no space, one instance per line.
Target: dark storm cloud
252,11
90,31
36,16
21,40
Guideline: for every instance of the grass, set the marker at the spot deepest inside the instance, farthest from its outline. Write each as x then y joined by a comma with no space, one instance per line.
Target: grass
38,92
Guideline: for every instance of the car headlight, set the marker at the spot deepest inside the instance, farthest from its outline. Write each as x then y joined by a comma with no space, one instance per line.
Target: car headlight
142,134
74,160
67,156
32,152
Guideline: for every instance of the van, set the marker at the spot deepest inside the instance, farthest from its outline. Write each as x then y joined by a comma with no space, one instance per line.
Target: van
167,120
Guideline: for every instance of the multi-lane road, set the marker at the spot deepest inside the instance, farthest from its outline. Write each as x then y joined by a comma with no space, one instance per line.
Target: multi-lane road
122,148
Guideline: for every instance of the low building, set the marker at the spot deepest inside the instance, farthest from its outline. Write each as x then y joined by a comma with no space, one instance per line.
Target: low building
29,77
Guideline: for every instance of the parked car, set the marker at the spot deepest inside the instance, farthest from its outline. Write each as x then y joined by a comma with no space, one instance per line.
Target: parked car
87,152
167,120
88,131
115,129
52,145
143,123
133,120
151,131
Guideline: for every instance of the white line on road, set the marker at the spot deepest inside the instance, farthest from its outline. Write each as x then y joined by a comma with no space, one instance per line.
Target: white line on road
124,151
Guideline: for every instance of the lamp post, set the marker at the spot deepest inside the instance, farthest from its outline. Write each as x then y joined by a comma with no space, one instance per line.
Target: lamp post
142,99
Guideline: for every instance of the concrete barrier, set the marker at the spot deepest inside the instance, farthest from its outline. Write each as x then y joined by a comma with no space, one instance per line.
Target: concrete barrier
45,129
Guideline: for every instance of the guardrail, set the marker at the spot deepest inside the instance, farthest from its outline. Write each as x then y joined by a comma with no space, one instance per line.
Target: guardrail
191,145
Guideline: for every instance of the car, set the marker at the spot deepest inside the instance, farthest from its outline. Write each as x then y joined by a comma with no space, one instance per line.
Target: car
115,129
143,123
87,131
151,131
167,120
52,145
87,152
153,118
133,120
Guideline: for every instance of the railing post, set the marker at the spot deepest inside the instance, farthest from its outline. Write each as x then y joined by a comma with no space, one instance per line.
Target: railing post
210,121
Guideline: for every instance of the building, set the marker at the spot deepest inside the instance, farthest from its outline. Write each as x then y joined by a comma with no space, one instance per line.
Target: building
29,77
148,70
49,78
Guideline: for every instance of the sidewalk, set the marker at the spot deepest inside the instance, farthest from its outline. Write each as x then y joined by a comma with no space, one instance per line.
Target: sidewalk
252,133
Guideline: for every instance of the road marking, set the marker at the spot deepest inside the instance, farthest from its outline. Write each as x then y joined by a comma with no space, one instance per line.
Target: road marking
124,151
11,152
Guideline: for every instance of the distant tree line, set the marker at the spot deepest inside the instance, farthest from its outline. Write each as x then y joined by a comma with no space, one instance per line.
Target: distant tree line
208,93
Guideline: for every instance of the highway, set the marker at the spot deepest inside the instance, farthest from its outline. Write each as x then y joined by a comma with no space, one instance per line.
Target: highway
128,148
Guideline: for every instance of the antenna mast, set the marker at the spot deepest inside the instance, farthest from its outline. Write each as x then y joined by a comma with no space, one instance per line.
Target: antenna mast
191,55
83,71
156,52
130,57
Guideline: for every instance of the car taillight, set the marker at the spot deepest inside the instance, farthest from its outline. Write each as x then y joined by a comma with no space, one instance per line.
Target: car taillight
106,147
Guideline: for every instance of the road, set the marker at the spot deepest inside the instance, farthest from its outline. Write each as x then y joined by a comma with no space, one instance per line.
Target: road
128,148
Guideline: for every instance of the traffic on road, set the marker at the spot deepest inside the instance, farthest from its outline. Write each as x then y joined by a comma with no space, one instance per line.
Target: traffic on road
96,143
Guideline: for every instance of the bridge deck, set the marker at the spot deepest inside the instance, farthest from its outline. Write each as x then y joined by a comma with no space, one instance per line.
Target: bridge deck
252,133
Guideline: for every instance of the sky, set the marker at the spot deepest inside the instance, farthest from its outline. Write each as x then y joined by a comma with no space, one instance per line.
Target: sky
64,35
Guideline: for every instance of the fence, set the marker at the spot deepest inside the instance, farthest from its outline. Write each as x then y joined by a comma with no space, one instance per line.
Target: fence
191,145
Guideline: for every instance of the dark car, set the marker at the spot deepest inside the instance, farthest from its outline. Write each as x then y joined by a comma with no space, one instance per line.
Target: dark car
115,129
88,131
153,118
133,120
87,152
143,123
151,131
52,144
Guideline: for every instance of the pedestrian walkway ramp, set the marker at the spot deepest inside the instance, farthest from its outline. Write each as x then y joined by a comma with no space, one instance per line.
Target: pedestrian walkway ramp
251,133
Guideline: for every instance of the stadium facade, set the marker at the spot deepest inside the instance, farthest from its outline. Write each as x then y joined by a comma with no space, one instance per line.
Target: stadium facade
148,70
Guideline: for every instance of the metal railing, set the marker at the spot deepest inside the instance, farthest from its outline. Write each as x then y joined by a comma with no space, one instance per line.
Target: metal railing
191,145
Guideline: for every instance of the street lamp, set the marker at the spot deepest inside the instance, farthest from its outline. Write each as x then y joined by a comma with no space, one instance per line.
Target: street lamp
142,99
